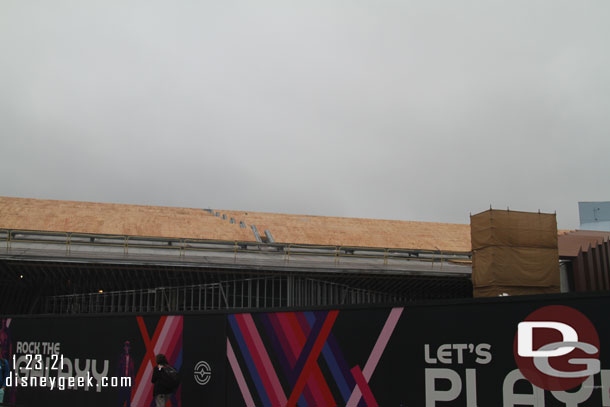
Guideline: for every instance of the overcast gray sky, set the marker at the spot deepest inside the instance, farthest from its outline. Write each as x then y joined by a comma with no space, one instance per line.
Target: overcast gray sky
414,110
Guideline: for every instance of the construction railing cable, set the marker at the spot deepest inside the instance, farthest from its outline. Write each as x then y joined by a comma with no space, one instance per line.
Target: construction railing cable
269,292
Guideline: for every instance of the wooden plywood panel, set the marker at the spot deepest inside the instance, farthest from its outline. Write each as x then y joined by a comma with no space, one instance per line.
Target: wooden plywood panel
116,219
337,231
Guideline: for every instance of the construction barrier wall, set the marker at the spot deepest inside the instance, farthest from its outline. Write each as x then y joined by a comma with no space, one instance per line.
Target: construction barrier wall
442,354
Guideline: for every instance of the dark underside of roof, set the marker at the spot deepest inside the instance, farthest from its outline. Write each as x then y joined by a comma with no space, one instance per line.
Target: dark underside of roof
55,287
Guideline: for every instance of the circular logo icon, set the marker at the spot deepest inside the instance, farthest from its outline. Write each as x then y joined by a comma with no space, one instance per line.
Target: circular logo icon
202,373
556,348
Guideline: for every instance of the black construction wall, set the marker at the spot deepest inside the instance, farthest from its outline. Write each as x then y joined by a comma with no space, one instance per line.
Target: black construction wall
304,358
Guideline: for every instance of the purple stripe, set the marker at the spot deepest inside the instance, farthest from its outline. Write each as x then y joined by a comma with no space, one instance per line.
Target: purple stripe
311,340
284,353
258,383
277,344
341,376
305,326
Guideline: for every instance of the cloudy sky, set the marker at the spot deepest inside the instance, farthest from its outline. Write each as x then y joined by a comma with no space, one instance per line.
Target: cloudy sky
415,110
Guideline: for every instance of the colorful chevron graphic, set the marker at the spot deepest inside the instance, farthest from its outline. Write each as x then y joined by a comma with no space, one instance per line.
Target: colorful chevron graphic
166,339
297,341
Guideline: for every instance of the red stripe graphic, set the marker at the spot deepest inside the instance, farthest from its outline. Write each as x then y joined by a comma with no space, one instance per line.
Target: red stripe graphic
364,387
149,357
310,364
295,348
316,382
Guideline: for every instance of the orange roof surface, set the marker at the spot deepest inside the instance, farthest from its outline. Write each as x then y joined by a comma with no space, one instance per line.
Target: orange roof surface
140,220
335,231
116,219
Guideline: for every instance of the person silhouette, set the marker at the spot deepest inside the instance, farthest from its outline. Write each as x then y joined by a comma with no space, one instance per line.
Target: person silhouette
125,369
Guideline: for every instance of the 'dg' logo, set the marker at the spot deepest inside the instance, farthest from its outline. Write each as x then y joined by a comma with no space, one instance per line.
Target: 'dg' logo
557,348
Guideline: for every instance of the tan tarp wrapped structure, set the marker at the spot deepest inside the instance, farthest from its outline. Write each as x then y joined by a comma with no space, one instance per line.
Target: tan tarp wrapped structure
504,265
513,229
514,253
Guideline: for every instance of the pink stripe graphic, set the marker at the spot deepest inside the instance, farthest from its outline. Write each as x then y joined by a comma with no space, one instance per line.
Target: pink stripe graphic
174,336
145,386
165,337
256,357
239,376
378,349
260,348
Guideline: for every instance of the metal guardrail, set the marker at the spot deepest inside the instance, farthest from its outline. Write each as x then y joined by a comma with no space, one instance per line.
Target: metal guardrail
184,245
280,291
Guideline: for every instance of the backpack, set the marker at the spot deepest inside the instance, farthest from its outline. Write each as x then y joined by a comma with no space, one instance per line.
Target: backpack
169,378
3,367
